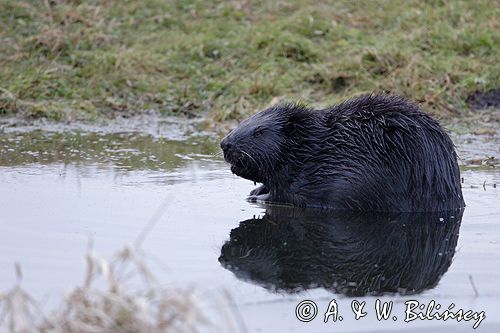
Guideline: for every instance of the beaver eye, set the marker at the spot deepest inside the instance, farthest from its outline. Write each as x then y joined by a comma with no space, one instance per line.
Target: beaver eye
258,132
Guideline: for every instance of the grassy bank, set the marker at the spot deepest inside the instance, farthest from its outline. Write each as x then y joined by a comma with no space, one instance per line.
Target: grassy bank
76,59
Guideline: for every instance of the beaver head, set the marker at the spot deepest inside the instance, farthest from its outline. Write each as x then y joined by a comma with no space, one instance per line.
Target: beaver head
262,144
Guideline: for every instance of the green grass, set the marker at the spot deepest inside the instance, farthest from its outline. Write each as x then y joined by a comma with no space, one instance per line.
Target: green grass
76,59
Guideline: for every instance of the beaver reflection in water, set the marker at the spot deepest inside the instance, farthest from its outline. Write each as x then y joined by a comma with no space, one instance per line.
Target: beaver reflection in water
372,153
353,253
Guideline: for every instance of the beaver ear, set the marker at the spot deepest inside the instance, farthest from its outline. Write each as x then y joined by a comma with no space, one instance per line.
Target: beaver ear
295,124
290,129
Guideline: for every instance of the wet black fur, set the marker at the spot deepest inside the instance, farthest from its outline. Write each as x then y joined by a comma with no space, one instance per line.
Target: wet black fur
372,153
353,253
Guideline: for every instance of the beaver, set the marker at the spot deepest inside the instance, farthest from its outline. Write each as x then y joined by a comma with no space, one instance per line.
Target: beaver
370,153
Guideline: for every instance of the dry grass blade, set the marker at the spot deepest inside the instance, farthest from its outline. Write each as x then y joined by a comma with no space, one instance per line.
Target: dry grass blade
20,311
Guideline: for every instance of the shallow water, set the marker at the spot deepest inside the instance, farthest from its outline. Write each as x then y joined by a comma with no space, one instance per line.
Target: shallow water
58,189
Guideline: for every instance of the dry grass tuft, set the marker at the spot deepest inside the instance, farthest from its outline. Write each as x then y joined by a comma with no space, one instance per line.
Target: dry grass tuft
113,307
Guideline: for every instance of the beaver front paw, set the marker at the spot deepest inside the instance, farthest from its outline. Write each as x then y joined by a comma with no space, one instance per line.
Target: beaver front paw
266,197
259,190
260,193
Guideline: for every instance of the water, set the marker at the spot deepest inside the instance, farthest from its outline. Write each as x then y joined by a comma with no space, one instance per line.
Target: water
59,189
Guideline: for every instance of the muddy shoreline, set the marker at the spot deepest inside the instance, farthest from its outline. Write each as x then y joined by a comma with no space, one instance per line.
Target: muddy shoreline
477,137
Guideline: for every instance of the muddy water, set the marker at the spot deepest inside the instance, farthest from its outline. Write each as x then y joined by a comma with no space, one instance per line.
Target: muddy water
167,192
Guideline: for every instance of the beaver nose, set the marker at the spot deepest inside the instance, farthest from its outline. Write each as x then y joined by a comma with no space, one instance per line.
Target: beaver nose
225,145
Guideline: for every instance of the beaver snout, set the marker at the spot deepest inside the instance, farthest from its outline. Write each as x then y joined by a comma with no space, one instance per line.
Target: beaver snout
229,152
225,145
